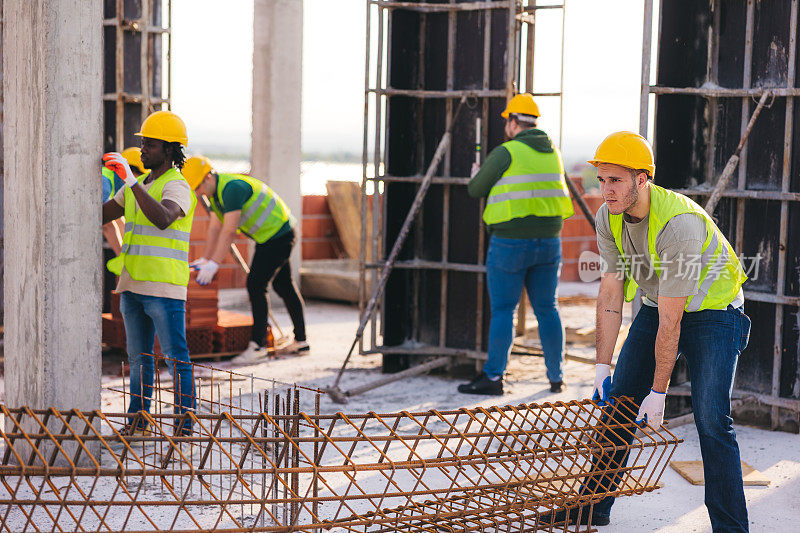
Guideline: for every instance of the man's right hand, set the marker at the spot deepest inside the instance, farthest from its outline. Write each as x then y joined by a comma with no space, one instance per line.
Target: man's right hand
119,165
602,385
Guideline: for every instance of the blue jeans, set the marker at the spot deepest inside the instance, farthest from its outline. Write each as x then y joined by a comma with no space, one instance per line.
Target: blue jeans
145,316
535,265
711,342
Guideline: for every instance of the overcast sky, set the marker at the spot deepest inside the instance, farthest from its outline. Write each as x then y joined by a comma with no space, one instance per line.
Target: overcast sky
212,71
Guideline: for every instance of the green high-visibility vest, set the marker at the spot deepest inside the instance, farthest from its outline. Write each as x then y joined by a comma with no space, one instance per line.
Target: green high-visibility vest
532,185
263,214
149,253
109,176
721,273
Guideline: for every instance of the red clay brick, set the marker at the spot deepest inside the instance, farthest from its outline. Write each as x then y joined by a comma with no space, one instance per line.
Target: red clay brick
569,271
318,227
315,204
318,250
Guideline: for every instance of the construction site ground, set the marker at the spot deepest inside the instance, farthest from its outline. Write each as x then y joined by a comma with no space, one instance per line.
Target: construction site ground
676,508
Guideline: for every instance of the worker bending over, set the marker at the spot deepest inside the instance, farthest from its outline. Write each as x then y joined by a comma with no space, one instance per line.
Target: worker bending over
669,246
526,202
246,204
153,266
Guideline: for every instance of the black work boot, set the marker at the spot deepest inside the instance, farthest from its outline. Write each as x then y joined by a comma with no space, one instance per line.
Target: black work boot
557,517
483,385
557,386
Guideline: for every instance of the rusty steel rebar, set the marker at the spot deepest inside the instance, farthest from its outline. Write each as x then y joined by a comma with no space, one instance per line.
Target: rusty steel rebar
251,466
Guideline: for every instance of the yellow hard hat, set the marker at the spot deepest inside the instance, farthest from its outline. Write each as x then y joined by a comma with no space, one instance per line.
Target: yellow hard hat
165,126
195,169
523,104
626,149
134,158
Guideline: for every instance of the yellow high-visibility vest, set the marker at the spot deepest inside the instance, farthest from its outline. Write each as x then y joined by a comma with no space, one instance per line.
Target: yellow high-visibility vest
721,273
263,214
149,253
532,185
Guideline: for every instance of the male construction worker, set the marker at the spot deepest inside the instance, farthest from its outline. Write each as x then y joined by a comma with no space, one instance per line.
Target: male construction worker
112,243
526,202
153,265
691,279
245,204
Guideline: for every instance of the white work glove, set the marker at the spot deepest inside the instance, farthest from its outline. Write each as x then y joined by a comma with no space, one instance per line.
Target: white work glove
197,262
206,272
115,162
475,168
602,385
651,411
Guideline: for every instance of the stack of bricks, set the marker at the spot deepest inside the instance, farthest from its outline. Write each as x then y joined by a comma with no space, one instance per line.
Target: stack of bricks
201,320
230,274
577,236
320,239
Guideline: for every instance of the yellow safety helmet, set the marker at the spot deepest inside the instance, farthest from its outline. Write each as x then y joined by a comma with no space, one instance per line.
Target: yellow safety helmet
523,104
626,149
134,158
195,170
165,126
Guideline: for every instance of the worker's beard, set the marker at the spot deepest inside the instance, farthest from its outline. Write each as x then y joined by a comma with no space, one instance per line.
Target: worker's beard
622,204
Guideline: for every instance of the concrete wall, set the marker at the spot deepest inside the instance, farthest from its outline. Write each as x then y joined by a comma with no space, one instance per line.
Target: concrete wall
277,97
52,61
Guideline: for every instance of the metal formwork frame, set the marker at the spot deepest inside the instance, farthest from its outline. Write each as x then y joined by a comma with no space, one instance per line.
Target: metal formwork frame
740,193
521,14
149,32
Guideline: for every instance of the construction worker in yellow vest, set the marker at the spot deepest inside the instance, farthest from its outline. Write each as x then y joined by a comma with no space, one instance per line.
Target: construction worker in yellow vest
526,203
153,266
112,243
247,205
667,245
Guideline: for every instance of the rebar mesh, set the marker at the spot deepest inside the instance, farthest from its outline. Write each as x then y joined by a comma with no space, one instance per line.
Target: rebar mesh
263,464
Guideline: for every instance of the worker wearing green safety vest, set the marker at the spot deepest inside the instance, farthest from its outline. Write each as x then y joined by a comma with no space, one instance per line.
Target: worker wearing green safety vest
153,265
526,202
247,205
691,280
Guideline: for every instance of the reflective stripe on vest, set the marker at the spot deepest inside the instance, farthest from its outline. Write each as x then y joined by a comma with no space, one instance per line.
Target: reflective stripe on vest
263,214
149,253
721,274
533,184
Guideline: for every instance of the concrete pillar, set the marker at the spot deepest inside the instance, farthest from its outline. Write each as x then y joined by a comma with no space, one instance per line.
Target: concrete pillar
52,61
277,96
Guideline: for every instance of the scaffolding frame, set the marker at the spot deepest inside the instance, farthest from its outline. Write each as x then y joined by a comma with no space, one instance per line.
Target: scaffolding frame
521,15
148,32
740,193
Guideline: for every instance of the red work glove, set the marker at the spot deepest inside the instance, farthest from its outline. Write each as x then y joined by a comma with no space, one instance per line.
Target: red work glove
116,163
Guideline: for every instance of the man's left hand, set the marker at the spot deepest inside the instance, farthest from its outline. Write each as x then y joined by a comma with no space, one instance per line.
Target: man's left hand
206,272
651,411
475,168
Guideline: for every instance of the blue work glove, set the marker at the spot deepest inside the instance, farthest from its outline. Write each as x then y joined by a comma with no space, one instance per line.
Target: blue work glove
651,412
602,385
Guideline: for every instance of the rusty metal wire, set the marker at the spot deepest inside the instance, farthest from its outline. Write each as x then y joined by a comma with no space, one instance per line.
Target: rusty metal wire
274,467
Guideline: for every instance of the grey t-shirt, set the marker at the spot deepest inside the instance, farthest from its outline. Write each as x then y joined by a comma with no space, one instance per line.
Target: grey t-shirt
678,245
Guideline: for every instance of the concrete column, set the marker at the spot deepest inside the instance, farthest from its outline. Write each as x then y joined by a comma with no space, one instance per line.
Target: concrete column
277,97
52,61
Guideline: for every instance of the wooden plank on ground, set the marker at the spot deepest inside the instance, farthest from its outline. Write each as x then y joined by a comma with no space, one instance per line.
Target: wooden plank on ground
692,471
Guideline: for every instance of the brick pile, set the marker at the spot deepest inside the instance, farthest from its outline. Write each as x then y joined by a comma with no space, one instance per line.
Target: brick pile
208,330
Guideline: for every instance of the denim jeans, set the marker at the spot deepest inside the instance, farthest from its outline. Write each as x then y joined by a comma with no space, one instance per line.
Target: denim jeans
145,316
711,342
534,264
